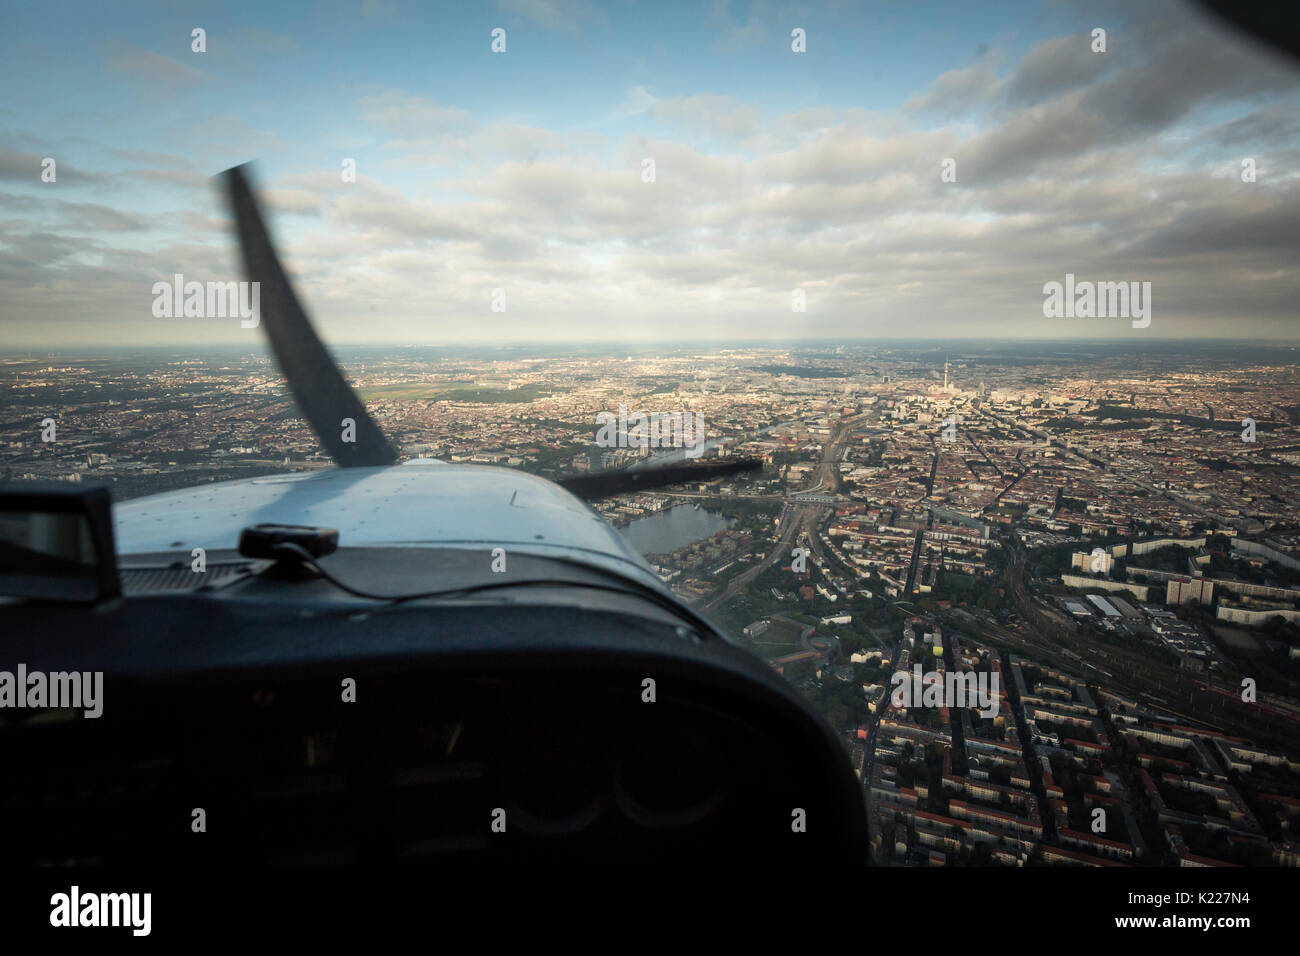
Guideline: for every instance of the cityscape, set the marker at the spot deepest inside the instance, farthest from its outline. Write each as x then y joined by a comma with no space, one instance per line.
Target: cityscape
1103,539
792,435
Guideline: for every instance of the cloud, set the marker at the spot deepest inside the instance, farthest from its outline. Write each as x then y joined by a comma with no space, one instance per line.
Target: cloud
638,100
407,114
962,90
148,156
75,216
1056,66
293,201
398,219
153,72
26,167
722,116
182,178
1057,106
1122,168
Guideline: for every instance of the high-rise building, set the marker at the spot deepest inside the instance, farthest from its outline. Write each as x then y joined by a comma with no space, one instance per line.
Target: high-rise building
1185,590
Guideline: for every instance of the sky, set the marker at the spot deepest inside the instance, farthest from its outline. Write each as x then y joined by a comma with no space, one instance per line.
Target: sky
519,179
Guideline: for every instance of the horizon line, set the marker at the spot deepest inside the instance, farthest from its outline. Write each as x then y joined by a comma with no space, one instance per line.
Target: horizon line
614,346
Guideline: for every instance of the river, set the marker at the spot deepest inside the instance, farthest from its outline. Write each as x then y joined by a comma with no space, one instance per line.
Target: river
676,527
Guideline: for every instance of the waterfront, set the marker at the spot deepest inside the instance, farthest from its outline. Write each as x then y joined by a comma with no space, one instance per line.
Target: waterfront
673,528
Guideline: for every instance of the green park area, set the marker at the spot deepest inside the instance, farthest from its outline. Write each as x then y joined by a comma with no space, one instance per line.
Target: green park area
780,639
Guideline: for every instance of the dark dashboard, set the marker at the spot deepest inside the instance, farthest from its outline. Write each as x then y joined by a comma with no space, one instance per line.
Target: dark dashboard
260,724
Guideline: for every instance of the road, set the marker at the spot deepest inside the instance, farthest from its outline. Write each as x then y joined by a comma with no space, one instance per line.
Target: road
796,518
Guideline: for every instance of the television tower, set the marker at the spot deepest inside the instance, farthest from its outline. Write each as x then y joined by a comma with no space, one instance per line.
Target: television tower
945,373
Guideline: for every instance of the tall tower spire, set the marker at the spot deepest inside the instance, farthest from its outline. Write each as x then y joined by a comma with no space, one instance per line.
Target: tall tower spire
945,373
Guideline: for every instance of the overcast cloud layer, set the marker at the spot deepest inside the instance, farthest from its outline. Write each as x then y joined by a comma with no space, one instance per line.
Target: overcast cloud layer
775,170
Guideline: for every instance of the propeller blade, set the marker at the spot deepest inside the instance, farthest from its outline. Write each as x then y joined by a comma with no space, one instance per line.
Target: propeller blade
323,394
606,484
1265,21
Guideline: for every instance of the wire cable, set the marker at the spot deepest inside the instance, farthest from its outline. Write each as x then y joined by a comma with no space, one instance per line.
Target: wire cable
624,586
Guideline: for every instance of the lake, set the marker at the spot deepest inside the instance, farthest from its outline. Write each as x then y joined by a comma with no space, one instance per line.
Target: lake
673,528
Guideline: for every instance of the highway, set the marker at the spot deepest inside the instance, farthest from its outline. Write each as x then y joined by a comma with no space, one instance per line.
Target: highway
795,517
